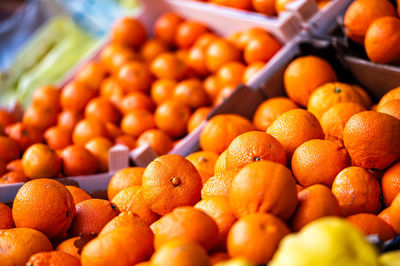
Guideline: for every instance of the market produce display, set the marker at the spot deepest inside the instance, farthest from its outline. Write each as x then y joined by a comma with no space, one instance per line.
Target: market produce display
311,177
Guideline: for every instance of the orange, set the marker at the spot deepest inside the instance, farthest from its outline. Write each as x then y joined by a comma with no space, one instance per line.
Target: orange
6,118
264,186
196,59
335,118
242,38
304,75
8,149
103,110
6,219
239,4
131,176
122,246
370,224
295,127
187,33
19,244
39,161
385,216
91,216
58,137
268,111
256,237
92,75
53,258
78,161
13,177
212,86
381,40
393,214
113,130
99,147
151,48
356,191
315,202
219,184
75,95
318,161
78,194
70,246
369,142
48,96
280,5
137,121
254,146
205,39
172,117
134,76
119,58
220,52
325,96
126,140
170,181
230,73
391,183
88,129
162,90
197,118
111,90
68,119
391,108
136,100
24,136
219,208
130,199
124,219
45,205
204,161
261,48
166,27
224,94
107,53
361,13
40,117
157,139
128,31
251,70
266,7
15,165
168,66
180,252
220,130
393,94
188,223
219,257
191,93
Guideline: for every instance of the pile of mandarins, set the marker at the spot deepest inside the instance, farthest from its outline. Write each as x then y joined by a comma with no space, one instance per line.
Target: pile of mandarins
140,91
325,150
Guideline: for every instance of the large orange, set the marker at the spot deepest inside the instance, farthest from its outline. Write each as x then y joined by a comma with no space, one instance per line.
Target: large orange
362,13
381,40
180,252
393,94
191,93
137,121
45,205
92,75
119,247
295,127
219,208
254,146
172,117
268,111
391,108
391,184
318,161
134,76
188,32
19,244
170,181
335,118
188,223
103,110
264,186
124,219
356,191
256,237
130,199
305,74
78,194
59,258
91,216
128,31
77,160
6,219
370,224
219,184
57,137
88,129
39,161
220,52
131,176
75,95
166,26
220,130
315,202
372,139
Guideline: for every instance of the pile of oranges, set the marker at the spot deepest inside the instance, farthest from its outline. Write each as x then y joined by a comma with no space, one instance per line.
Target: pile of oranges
375,24
265,7
139,91
325,150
